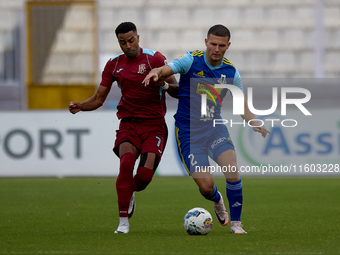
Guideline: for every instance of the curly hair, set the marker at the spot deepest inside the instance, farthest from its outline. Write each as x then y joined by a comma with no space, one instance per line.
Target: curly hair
125,27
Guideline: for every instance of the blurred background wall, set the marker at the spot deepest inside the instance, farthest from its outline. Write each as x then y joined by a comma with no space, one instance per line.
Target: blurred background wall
56,50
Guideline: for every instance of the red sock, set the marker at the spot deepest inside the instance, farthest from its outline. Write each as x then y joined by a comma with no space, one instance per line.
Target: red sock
143,178
124,183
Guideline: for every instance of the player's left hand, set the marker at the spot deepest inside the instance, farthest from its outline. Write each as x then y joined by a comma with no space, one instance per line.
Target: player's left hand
263,130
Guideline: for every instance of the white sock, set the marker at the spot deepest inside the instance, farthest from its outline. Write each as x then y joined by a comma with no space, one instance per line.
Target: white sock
123,221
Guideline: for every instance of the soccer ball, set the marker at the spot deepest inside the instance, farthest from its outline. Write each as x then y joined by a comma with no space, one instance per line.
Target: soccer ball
198,221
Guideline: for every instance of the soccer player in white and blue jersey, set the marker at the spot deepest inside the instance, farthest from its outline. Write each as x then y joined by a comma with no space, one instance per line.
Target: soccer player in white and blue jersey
197,137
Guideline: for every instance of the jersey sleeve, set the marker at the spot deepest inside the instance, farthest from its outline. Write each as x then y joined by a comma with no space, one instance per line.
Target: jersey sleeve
158,60
182,64
237,81
107,77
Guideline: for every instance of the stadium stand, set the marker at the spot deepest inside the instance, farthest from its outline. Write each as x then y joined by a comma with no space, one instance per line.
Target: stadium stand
269,38
71,60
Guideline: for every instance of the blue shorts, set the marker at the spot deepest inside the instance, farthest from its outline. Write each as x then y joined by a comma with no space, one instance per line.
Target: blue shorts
194,148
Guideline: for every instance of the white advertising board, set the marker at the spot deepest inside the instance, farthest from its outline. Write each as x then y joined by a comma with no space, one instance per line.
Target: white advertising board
57,143
298,145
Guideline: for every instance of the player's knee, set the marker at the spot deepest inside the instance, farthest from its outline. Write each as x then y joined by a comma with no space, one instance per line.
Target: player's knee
207,187
149,160
125,176
127,162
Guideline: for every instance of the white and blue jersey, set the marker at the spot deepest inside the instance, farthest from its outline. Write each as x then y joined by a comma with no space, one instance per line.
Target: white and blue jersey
196,136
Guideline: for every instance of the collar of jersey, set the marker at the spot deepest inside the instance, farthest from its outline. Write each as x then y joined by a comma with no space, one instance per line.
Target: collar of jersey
136,59
210,66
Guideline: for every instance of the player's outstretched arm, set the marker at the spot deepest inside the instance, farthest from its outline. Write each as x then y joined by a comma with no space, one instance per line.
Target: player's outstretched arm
91,103
157,74
261,129
248,115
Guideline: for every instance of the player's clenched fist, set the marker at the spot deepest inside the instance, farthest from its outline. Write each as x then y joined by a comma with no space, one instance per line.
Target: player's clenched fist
74,107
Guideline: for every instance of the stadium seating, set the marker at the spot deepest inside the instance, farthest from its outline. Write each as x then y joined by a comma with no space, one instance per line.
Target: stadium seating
11,5
332,18
269,38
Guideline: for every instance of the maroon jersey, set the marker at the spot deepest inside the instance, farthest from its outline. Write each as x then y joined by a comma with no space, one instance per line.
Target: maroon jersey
137,100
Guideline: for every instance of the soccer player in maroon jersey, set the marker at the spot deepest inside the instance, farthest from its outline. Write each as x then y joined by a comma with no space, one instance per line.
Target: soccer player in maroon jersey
142,130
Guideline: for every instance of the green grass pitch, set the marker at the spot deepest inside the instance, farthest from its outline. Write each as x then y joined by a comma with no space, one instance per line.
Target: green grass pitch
79,216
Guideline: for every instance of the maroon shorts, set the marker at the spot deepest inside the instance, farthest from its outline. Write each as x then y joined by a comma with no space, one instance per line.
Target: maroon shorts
147,135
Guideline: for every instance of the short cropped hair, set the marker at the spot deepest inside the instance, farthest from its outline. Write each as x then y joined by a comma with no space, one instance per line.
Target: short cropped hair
219,30
125,27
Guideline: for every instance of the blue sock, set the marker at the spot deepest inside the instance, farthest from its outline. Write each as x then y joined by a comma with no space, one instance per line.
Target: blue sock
235,198
215,196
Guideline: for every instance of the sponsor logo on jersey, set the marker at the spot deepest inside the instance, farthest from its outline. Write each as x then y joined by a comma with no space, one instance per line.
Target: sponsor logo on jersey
180,57
141,68
121,69
212,93
199,74
219,140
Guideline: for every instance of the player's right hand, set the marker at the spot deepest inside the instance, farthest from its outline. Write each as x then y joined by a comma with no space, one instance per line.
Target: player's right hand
74,107
263,130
